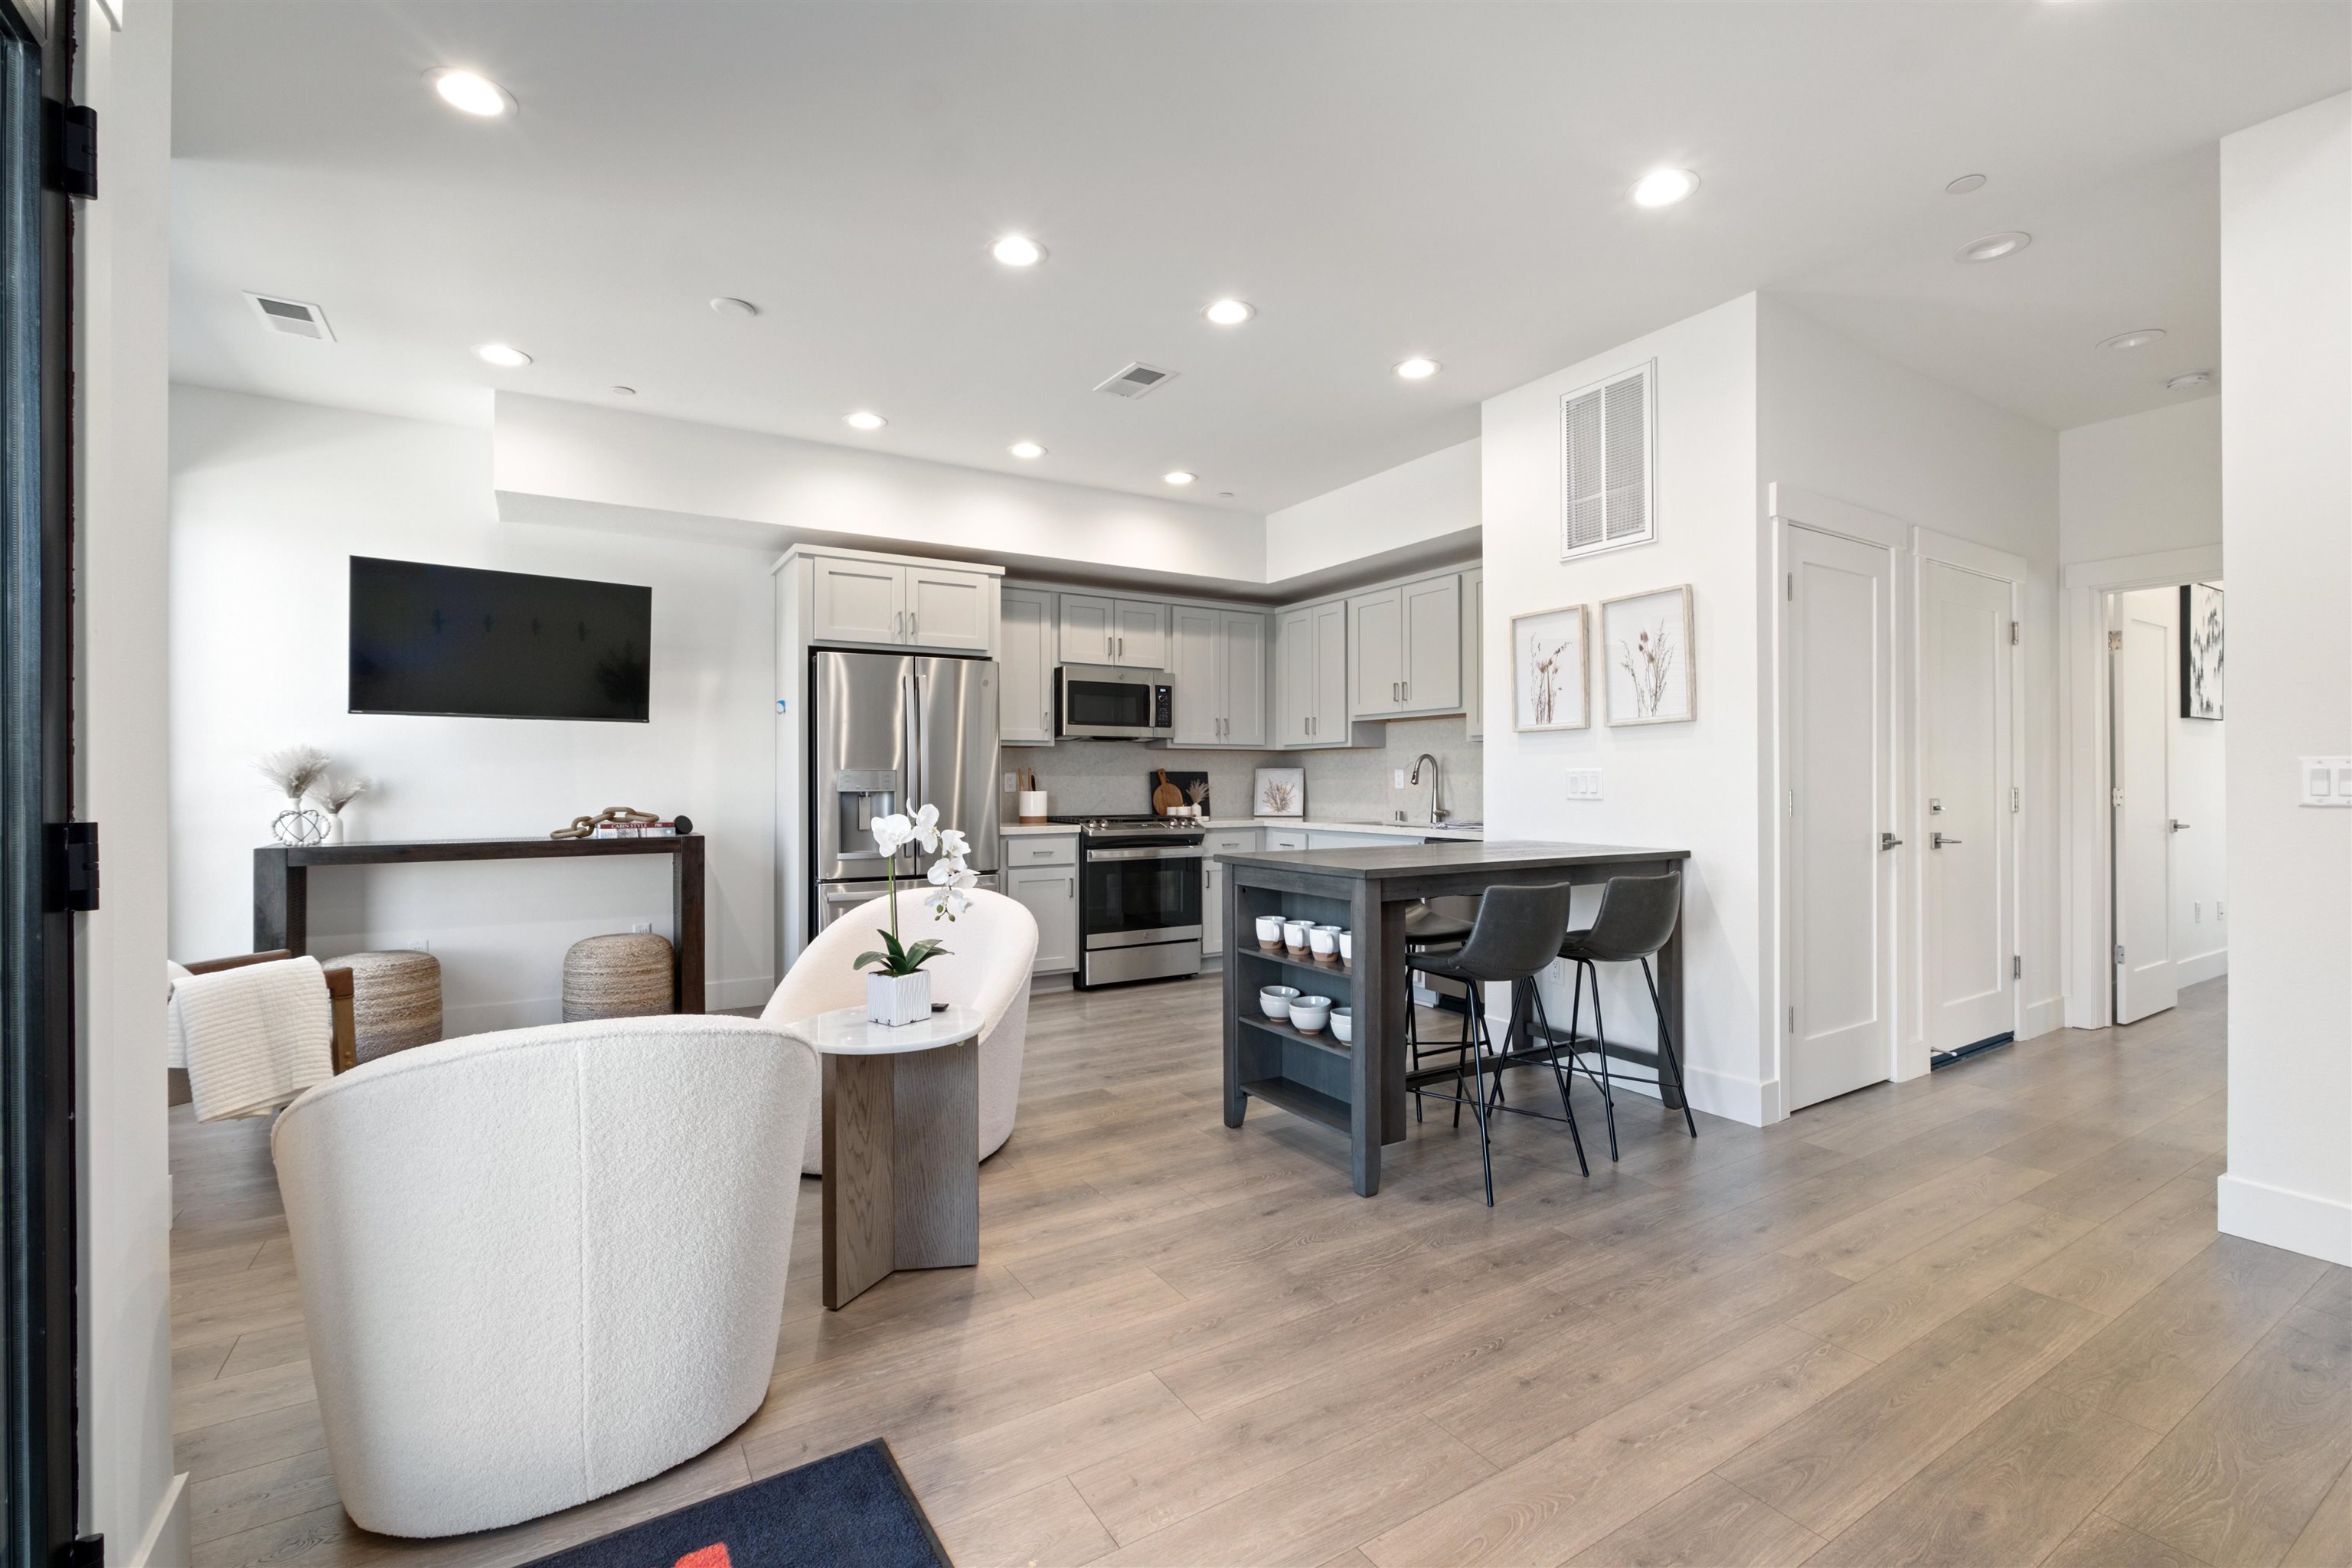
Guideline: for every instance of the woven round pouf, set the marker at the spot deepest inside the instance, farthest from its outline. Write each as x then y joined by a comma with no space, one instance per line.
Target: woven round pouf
395,1001
627,976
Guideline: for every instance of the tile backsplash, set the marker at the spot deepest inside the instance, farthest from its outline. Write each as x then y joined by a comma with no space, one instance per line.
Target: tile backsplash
1084,777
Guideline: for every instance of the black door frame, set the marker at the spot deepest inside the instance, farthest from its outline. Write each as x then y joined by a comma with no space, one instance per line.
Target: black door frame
39,1248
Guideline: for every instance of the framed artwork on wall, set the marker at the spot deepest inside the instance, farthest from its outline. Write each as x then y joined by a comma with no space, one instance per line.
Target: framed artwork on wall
2200,651
1280,792
1552,669
1649,658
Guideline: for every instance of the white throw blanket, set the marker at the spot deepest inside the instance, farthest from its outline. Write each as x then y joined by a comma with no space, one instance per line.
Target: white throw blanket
251,1038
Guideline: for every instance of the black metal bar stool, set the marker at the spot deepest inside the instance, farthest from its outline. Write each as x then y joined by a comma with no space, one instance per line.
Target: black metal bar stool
1636,916
1428,928
1516,935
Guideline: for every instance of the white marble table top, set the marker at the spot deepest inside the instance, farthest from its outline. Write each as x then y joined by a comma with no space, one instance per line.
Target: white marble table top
848,1032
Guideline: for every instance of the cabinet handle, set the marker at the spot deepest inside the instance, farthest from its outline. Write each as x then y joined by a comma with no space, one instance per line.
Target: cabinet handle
910,624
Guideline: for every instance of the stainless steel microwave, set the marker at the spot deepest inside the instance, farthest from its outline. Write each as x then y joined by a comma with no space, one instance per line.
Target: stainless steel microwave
1100,702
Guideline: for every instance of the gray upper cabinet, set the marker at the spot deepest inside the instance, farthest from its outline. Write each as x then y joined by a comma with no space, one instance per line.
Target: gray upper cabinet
1310,676
1130,633
1024,697
1405,649
1218,659
1473,649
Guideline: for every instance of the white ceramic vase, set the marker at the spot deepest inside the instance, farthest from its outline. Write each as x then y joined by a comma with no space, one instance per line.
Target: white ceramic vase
894,999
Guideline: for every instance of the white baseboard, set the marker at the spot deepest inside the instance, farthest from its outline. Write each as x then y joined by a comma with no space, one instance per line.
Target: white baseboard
2042,1016
2299,1221
2204,966
1716,1093
165,1545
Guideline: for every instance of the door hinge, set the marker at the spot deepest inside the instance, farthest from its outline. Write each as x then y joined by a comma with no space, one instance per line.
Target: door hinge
2014,635
85,1551
2016,798
2116,795
70,148
2115,642
2119,956
2016,966
73,867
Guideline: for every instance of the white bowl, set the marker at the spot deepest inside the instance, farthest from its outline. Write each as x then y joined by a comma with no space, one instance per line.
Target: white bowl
1294,935
1324,941
1275,1001
1310,1014
1343,1024
1346,948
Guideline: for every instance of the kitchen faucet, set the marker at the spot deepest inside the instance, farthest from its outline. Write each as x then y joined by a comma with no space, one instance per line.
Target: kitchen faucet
1436,813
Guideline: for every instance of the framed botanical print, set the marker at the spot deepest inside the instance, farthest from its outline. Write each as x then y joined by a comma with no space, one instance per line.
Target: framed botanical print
1552,669
1649,660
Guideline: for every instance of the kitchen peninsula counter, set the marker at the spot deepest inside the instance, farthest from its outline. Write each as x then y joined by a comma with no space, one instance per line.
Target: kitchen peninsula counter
1359,1088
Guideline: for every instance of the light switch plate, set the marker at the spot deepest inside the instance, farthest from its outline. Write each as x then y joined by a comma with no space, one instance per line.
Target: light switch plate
2324,781
1584,784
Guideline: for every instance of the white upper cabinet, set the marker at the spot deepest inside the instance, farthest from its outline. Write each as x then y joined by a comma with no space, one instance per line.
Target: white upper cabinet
857,601
1405,649
1310,676
1130,633
895,604
948,608
1218,660
1024,698
1474,650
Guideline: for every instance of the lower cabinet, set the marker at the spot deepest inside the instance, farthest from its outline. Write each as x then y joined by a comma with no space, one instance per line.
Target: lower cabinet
1213,909
1051,894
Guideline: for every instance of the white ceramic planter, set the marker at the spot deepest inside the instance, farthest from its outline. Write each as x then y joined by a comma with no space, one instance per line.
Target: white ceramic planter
898,999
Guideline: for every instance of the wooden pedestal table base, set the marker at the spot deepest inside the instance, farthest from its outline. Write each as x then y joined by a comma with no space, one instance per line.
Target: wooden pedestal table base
901,1144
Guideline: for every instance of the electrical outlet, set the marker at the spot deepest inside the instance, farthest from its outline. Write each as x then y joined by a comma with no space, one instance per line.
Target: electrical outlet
1399,781
415,944
2219,914
2196,911
642,928
1011,784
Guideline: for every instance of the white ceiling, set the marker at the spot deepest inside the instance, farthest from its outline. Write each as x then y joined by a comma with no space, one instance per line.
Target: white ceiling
1380,180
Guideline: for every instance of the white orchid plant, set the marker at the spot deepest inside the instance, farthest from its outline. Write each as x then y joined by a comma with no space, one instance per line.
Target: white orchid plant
950,880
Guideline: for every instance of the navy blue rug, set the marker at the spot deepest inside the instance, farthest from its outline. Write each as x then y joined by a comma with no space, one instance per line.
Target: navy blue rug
853,1508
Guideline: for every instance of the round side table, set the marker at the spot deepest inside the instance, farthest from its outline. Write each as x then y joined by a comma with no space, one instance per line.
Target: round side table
901,1144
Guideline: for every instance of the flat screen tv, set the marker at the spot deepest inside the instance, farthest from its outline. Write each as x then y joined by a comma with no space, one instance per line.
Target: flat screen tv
497,645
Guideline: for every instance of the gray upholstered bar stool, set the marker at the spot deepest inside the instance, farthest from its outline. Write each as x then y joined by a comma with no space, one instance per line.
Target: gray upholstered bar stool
1636,916
1518,933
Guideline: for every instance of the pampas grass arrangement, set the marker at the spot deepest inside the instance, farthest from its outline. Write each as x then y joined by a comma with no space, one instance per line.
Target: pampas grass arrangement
336,791
293,769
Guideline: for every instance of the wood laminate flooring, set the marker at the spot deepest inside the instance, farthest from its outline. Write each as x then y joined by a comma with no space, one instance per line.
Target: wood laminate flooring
1980,1318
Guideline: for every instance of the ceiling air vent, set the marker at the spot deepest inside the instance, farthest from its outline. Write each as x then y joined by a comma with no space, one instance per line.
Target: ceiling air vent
1608,461
292,317
1136,380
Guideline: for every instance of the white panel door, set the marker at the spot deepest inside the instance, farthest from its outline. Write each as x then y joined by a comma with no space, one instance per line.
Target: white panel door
1838,667
1242,656
1140,635
1200,697
857,601
2146,979
949,609
1376,628
1433,645
1086,629
1024,701
1964,722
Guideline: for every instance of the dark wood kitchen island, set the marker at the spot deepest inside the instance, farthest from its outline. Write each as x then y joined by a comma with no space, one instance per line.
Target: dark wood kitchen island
1359,1088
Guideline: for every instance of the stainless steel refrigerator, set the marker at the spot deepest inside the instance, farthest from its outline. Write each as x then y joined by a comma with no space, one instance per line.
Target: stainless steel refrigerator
889,732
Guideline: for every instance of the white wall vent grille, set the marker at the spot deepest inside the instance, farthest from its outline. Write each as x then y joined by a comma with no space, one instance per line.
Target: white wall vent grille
292,317
1136,380
1607,463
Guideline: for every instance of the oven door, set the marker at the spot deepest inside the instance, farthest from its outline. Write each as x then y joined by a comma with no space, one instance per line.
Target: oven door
1140,893
1093,702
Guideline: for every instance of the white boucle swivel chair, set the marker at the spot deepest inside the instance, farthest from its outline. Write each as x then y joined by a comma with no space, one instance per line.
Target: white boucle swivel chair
986,966
542,1265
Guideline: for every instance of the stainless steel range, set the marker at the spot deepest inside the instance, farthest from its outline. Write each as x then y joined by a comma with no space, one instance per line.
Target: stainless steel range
1138,900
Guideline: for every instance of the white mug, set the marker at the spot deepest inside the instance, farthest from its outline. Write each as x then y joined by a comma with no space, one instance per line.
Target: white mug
1294,935
1269,931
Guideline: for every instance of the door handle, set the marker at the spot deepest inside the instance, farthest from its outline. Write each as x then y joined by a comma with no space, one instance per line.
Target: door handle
2177,824
1938,840
1888,841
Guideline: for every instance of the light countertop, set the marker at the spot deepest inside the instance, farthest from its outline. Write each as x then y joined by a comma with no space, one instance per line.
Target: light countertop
1311,823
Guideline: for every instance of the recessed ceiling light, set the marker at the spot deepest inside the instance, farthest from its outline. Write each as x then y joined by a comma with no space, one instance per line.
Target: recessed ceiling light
863,419
1664,187
1230,312
470,92
741,310
504,355
1027,450
1993,246
1963,185
2138,338
1017,250
1178,477
2194,378
1416,368
624,392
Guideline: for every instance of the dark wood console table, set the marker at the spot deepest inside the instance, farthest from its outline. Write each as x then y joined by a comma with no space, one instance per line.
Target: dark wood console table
281,885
